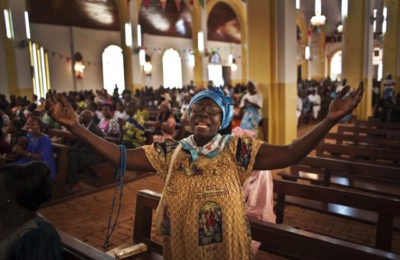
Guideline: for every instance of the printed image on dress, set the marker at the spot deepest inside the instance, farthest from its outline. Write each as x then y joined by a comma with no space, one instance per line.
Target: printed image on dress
210,224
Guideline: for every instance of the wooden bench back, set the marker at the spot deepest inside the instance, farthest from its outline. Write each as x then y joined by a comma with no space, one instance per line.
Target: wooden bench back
278,239
387,133
75,249
386,207
359,154
61,174
360,140
337,166
375,124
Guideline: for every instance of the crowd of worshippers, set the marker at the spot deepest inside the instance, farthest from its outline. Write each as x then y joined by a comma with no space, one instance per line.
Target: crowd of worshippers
314,98
125,118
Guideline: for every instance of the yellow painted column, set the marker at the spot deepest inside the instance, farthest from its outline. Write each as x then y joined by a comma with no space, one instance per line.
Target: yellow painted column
357,52
272,64
123,12
8,55
391,42
197,16
134,9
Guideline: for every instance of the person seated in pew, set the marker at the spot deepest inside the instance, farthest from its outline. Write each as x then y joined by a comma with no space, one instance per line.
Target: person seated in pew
108,125
80,155
166,123
17,136
133,129
202,212
39,147
24,233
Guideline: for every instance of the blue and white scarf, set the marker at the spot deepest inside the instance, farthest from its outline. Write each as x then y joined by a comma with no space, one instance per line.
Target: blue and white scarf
211,149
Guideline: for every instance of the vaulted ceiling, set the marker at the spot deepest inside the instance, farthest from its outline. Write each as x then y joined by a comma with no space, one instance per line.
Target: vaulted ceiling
103,14
96,14
222,24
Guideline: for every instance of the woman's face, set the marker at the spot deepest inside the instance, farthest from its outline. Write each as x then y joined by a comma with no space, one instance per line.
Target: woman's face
106,111
33,127
205,124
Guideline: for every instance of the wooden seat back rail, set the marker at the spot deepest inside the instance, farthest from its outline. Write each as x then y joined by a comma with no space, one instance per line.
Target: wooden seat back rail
375,124
387,133
386,207
362,140
75,249
360,154
327,167
278,239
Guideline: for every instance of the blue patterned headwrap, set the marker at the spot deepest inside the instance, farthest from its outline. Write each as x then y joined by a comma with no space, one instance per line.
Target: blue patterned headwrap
224,102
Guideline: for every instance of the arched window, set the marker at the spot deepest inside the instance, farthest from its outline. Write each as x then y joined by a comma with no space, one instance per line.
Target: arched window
40,69
215,70
336,65
113,69
172,69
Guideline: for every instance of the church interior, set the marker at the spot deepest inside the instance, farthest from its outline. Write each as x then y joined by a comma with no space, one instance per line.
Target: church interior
128,72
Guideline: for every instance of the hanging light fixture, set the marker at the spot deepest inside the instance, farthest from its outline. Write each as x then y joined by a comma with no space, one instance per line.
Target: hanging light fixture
318,19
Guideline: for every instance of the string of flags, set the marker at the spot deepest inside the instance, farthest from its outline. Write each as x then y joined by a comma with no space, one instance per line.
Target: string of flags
154,50
151,50
61,57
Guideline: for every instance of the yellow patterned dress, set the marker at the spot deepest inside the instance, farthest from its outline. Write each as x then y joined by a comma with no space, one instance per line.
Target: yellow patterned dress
204,211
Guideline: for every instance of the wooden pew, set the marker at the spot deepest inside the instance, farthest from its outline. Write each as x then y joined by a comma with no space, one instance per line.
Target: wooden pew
327,199
359,154
360,176
360,140
387,133
61,152
65,135
375,124
75,249
277,239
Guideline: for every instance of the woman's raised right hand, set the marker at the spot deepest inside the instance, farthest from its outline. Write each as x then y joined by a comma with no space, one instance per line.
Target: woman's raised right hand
60,109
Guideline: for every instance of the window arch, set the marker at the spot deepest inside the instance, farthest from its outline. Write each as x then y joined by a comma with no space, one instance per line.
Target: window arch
113,69
336,65
172,69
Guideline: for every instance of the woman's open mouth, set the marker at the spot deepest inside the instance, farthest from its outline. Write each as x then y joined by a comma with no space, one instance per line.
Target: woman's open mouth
201,124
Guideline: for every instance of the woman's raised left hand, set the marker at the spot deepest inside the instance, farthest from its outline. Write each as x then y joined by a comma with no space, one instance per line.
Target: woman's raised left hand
344,104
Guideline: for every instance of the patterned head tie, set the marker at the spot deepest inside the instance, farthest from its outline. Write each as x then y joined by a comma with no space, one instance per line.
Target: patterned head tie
224,102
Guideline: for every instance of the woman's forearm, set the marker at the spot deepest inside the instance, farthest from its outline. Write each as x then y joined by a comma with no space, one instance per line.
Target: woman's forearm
107,149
